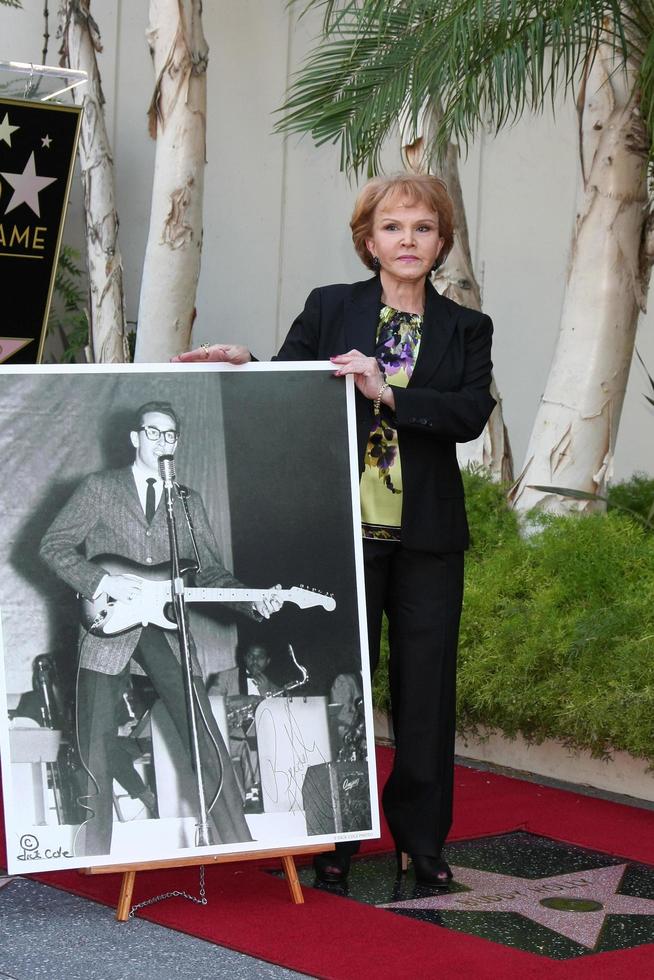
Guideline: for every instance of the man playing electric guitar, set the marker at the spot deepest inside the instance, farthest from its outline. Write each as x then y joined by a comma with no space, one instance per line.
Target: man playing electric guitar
122,513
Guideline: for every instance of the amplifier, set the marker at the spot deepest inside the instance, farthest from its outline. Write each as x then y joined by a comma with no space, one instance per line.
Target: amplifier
336,797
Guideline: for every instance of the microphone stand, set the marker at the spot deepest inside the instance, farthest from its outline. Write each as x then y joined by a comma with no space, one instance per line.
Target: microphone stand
202,831
42,668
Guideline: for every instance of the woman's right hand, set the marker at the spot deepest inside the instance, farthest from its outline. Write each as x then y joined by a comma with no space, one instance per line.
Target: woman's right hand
226,353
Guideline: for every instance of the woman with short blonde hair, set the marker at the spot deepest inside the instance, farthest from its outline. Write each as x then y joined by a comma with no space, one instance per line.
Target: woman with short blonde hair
422,369
412,188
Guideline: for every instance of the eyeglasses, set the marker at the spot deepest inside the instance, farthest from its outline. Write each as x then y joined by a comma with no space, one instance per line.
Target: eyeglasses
154,434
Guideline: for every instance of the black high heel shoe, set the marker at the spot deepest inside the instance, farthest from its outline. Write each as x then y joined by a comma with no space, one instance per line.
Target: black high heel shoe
430,871
332,867
402,859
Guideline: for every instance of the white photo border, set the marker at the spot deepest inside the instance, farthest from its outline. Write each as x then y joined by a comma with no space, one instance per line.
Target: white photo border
48,854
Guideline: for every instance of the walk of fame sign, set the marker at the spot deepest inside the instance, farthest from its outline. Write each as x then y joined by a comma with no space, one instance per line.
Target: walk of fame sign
38,142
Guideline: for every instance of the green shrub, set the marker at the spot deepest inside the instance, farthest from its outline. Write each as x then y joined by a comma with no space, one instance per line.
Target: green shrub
636,494
68,317
557,636
380,694
492,524
557,632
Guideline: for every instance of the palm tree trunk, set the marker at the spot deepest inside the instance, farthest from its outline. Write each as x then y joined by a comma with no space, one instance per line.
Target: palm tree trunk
573,438
80,42
178,123
456,280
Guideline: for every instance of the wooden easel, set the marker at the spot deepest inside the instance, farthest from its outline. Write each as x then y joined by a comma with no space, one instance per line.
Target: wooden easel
129,870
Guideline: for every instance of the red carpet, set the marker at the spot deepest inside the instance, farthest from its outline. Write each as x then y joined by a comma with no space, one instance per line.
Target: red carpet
337,938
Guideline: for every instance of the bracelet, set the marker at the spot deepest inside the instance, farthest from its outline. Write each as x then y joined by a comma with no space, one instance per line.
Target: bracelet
376,405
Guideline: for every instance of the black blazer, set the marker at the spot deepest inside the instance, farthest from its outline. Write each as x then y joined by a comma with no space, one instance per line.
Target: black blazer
446,401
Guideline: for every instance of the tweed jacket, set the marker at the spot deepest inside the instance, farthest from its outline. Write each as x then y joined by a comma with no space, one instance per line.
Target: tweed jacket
104,516
446,401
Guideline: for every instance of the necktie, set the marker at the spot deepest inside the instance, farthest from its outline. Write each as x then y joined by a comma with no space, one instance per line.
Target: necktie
149,500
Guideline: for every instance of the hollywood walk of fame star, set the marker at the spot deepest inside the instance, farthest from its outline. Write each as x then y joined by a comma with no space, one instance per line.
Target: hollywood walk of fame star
27,187
6,129
10,345
46,141
4,881
492,892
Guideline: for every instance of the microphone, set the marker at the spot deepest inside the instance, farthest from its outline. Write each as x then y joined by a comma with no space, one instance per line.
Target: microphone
167,470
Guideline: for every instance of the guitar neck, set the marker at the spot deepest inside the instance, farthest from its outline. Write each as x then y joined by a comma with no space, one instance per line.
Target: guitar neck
232,595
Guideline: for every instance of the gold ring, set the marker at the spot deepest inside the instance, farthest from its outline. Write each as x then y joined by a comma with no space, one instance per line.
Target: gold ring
205,348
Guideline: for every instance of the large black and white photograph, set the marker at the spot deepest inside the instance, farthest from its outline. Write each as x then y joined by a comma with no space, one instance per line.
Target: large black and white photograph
183,614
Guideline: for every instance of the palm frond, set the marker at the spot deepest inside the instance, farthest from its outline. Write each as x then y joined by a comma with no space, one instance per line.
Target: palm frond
585,495
333,10
647,85
649,377
379,63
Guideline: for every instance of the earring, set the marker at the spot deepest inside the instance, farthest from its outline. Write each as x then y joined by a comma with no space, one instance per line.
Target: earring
376,264
435,266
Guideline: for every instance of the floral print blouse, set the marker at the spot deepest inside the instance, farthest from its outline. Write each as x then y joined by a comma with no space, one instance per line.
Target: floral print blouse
398,342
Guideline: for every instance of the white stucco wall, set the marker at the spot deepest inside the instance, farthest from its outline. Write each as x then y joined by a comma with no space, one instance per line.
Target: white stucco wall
276,214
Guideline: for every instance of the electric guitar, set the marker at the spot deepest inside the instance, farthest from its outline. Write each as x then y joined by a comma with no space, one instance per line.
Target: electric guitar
106,616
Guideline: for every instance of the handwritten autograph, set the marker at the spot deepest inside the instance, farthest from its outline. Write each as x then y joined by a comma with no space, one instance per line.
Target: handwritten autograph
287,756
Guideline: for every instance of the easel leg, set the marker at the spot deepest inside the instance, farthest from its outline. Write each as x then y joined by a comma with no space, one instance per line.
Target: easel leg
129,873
288,864
125,897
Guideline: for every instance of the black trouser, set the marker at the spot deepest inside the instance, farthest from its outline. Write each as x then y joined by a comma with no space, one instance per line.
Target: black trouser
97,698
121,762
421,594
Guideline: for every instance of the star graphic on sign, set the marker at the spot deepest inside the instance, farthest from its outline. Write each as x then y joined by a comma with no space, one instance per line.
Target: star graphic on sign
27,187
575,905
11,345
46,141
6,129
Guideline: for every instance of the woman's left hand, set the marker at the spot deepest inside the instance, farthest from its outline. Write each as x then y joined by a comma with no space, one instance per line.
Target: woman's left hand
367,376
223,353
